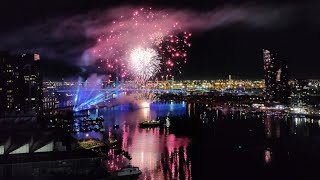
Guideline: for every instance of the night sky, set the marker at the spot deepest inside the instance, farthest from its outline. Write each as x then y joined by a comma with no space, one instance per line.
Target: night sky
234,48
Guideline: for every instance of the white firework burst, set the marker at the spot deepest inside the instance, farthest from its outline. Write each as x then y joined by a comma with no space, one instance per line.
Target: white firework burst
144,63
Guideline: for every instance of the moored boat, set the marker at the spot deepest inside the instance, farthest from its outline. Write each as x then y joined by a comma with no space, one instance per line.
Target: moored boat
129,171
150,123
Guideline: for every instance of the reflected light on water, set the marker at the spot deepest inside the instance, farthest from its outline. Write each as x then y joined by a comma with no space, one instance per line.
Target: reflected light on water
146,113
161,155
267,156
158,154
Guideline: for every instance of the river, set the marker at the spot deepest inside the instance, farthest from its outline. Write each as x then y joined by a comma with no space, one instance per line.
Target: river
159,154
224,143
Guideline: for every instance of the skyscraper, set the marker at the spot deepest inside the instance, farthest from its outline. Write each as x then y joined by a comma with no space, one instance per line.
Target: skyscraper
276,78
20,83
300,92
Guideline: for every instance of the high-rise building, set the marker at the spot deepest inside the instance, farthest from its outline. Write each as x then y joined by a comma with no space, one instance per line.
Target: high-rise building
300,92
20,83
276,78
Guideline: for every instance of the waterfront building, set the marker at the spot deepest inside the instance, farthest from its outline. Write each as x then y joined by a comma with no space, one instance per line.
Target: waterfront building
277,87
299,92
20,83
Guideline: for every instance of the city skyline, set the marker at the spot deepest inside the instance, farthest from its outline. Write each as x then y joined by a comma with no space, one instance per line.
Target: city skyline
159,89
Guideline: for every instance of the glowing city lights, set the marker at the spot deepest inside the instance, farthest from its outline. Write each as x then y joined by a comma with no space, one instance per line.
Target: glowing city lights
145,104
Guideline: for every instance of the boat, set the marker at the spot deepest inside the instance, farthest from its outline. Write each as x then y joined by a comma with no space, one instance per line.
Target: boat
150,123
129,171
96,128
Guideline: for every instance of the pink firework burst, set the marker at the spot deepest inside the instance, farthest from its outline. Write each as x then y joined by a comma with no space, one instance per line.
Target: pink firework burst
142,28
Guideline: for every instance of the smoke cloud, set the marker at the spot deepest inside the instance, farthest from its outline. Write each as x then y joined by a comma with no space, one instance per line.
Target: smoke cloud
69,39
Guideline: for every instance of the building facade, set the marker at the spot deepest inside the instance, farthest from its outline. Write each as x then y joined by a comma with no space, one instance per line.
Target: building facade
20,83
277,87
300,92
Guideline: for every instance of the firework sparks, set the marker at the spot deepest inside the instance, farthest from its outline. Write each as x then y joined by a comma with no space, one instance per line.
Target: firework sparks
144,63
147,28
157,38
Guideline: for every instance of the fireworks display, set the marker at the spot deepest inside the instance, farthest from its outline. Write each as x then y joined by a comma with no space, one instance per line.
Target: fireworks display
144,63
141,44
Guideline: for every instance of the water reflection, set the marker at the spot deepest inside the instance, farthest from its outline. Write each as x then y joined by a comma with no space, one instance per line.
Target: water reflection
267,156
225,136
157,153
277,127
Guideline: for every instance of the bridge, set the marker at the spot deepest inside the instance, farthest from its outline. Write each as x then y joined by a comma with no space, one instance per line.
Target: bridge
123,90
92,98
86,98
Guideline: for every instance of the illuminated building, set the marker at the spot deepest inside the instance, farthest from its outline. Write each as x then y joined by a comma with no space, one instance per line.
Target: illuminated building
300,92
20,83
277,88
